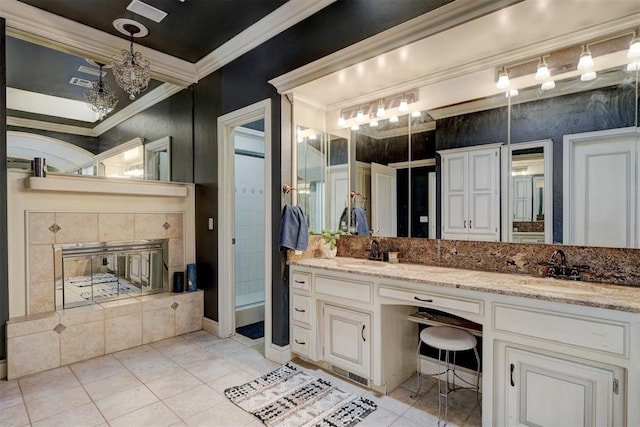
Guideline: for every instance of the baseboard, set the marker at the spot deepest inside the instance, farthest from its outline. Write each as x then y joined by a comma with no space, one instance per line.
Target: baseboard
210,326
277,354
3,369
249,315
429,366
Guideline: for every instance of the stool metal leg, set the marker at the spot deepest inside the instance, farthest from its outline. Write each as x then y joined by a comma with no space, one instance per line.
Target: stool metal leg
419,370
475,351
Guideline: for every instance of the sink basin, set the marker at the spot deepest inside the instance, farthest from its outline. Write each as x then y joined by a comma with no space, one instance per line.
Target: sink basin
560,289
366,265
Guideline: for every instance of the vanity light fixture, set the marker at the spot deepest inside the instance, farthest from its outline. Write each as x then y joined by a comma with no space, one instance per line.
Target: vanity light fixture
360,115
634,47
404,105
355,127
633,66
342,121
586,60
393,119
373,123
380,111
503,79
548,85
589,75
416,114
313,137
543,70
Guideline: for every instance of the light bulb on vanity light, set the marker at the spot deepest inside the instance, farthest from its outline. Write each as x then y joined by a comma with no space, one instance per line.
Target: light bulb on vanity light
380,111
416,114
393,119
589,75
586,60
373,124
360,115
342,121
548,85
503,79
511,93
543,70
633,66
404,105
355,127
634,47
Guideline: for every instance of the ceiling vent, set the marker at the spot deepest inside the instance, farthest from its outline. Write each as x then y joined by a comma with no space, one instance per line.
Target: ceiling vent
92,71
146,10
80,82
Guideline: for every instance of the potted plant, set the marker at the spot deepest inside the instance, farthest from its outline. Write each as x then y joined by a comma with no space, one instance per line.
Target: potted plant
330,249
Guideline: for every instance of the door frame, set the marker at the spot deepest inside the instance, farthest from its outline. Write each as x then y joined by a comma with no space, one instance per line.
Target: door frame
226,210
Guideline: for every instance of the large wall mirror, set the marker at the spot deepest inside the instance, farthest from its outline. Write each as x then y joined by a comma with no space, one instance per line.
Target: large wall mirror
48,115
562,151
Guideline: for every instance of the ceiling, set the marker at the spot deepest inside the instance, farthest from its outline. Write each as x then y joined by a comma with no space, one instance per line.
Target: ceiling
49,40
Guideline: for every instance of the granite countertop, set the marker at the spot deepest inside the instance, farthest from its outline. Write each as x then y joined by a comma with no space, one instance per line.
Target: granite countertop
591,294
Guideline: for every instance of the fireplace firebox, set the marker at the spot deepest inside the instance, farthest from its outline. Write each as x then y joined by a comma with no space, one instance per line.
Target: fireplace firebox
88,273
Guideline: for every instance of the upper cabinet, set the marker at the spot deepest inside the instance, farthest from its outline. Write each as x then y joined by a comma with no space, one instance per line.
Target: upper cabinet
471,194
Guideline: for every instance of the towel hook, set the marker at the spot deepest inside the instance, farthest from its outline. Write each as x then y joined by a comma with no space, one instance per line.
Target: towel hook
286,189
354,195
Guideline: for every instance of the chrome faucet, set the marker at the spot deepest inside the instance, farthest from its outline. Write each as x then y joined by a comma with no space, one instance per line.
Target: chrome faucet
555,267
374,251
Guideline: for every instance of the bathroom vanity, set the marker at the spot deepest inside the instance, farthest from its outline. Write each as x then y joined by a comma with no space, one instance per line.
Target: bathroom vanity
547,344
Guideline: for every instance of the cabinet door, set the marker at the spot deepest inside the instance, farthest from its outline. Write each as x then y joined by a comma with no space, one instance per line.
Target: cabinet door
347,342
454,194
549,391
484,201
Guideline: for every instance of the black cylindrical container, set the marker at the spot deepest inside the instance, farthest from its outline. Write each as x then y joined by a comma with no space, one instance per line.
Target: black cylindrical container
39,167
178,281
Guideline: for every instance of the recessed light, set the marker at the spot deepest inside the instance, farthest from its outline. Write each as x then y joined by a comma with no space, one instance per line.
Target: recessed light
146,10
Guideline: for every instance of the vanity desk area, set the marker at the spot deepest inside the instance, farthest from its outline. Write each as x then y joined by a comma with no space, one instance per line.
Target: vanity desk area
547,344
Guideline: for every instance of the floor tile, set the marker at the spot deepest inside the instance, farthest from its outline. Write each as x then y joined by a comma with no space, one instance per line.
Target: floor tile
233,379
48,382
225,348
173,384
112,385
14,416
125,402
193,401
10,394
86,415
202,338
55,403
210,370
379,417
224,414
155,369
155,415
97,369
398,407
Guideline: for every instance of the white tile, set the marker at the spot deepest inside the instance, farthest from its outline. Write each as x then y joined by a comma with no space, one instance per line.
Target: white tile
225,348
379,417
193,401
209,370
97,369
112,385
85,415
223,414
155,369
125,402
173,384
154,415
56,403
9,394
233,379
389,403
14,416
48,382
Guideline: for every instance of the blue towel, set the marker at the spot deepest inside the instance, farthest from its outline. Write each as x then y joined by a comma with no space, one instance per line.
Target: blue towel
362,228
293,229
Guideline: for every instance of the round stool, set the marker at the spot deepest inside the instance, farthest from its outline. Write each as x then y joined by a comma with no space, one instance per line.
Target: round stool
447,339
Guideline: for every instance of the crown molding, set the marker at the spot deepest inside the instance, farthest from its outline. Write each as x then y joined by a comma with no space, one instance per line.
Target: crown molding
430,23
51,127
151,98
271,25
33,24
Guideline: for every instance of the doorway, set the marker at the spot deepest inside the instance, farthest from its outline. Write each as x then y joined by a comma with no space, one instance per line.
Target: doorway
235,153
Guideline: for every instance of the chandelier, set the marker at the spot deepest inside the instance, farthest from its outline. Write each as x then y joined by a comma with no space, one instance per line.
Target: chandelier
130,69
101,97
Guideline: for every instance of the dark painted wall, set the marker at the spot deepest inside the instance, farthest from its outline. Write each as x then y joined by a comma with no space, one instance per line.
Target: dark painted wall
244,82
171,117
4,252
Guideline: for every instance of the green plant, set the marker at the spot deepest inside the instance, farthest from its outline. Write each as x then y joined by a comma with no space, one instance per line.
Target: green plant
330,238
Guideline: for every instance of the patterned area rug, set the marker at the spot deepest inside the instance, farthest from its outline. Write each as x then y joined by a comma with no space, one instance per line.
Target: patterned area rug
290,397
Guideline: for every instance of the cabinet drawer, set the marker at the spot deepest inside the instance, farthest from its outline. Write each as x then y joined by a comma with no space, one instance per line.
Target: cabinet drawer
301,311
426,299
350,289
594,334
301,281
301,341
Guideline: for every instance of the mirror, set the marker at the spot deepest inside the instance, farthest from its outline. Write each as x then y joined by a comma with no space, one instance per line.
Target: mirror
48,116
540,133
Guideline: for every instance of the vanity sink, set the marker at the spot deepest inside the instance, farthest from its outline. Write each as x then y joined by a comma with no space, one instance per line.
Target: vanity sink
366,265
561,289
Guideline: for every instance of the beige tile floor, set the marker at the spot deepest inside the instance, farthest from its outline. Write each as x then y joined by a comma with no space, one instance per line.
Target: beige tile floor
180,382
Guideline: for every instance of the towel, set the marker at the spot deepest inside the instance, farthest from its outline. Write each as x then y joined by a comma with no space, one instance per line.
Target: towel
362,228
293,229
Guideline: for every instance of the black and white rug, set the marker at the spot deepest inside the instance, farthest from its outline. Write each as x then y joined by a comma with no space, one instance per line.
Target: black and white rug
289,396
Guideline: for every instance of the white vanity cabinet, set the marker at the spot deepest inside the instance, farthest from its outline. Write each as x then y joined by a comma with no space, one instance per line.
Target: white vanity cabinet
303,325
347,339
471,193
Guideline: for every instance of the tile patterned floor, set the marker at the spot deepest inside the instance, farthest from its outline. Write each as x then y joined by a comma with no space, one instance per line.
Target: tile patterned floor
180,382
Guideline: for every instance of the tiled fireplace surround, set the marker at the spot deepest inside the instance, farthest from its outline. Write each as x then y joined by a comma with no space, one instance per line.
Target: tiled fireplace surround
47,338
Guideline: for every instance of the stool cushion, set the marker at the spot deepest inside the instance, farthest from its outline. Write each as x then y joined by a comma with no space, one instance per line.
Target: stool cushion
448,338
